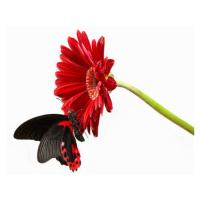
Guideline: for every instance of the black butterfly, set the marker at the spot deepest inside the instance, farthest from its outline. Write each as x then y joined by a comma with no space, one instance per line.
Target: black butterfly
56,135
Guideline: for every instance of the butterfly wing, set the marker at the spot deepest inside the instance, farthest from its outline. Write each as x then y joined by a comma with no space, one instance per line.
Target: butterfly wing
69,150
35,128
61,160
51,142
59,143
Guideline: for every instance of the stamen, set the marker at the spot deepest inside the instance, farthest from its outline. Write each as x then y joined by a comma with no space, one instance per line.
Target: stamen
91,83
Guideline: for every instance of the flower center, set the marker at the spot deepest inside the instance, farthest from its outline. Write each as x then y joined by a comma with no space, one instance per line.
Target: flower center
91,83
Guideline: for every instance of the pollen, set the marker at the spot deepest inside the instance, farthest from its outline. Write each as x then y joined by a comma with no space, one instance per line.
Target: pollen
91,83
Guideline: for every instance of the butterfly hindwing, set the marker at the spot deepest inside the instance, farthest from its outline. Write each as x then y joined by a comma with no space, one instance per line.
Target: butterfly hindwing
35,128
70,150
59,142
61,160
50,143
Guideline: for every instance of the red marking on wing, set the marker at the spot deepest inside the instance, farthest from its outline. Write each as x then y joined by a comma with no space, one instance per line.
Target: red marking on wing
65,123
77,161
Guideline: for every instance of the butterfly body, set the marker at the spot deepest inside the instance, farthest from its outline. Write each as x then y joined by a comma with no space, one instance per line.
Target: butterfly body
75,125
56,134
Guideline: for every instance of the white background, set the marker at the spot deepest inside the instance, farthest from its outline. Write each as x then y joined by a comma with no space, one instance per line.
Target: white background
94,180
133,138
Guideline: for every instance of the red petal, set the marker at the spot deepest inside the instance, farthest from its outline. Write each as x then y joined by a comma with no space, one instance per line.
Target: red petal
95,123
95,115
94,51
72,57
101,108
85,114
100,72
83,110
71,68
84,54
86,41
105,61
69,102
88,55
108,103
65,75
100,101
88,128
67,78
100,47
110,83
79,36
73,43
91,59
109,64
67,91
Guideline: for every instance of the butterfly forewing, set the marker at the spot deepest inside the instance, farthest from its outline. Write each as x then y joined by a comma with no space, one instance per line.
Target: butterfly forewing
35,128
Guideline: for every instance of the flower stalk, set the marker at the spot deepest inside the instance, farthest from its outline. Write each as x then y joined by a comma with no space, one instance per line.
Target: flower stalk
156,106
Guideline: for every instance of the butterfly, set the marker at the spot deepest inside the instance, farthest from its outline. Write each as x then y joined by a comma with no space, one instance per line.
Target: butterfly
56,134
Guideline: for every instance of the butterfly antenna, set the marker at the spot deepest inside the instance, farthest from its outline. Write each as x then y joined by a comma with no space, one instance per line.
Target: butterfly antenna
78,111
86,134
60,100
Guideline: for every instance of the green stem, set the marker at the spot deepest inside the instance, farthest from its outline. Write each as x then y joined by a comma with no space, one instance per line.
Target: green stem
156,106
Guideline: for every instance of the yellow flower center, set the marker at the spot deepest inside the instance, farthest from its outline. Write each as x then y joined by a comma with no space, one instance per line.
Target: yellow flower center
91,83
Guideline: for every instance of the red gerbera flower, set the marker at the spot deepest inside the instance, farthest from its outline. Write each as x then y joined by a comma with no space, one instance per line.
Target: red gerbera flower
83,82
